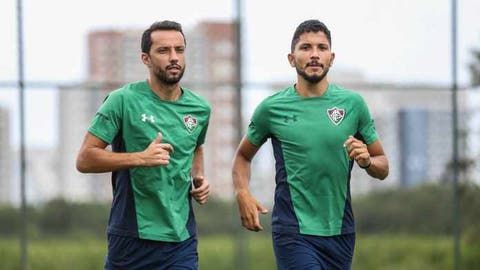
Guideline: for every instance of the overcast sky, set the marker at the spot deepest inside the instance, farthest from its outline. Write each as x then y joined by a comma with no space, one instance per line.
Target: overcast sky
386,40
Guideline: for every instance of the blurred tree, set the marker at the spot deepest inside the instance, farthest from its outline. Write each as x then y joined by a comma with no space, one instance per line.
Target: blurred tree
56,217
9,220
470,205
420,210
90,218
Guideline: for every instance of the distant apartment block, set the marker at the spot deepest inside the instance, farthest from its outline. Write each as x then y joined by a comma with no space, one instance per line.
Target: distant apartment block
114,57
6,159
473,133
78,104
42,177
211,72
414,124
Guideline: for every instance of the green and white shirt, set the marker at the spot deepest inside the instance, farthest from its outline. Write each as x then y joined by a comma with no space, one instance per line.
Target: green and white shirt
312,193
152,203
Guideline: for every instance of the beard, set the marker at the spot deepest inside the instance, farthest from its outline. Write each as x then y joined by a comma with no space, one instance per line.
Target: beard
163,77
312,78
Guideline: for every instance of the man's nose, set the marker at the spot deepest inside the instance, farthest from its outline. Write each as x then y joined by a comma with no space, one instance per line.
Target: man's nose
315,53
173,56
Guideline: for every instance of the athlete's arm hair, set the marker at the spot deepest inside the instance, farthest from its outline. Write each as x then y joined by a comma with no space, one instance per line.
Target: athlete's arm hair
93,157
241,164
198,164
379,167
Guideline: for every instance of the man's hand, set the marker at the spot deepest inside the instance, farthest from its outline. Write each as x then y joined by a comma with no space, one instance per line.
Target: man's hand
358,151
157,153
201,189
249,208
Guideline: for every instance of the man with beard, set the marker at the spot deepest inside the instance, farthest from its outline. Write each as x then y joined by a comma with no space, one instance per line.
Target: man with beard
156,129
318,131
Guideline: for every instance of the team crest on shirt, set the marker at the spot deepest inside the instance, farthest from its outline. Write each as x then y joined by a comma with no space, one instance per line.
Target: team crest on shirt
336,115
190,123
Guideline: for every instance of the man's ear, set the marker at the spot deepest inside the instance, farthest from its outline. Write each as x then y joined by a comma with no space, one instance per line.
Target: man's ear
291,59
332,58
146,59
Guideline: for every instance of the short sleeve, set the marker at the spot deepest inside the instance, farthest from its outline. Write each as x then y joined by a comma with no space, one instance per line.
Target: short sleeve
107,121
258,129
203,133
366,125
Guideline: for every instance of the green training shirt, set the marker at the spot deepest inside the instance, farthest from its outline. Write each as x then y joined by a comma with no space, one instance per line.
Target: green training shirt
312,193
152,203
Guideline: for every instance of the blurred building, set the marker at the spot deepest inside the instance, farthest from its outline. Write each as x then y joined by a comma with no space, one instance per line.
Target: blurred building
6,159
42,176
414,124
413,137
114,57
473,133
211,72
77,106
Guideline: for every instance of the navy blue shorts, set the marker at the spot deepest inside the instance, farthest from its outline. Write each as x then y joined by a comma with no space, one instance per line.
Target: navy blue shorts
298,251
133,253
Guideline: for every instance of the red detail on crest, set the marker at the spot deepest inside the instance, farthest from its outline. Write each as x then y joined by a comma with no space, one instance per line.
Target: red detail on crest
190,123
336,115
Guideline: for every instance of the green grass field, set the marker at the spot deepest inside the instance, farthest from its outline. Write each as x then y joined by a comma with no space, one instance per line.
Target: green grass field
391,252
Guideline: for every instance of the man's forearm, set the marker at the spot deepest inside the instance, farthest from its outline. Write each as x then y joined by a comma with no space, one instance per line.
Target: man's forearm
97,160
378,167
197,164
241,174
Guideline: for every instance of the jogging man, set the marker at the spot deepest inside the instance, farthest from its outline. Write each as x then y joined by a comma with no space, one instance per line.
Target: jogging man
318,131
156,129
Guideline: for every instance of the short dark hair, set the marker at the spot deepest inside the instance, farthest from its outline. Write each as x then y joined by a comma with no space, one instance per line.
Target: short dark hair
310,26
161,25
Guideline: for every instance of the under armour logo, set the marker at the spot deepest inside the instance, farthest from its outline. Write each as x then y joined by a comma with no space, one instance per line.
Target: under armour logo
290,119
149,117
